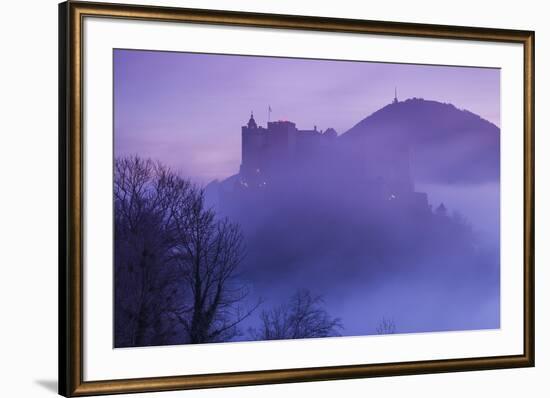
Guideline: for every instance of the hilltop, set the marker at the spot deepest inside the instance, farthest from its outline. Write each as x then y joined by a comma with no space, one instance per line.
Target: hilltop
448,145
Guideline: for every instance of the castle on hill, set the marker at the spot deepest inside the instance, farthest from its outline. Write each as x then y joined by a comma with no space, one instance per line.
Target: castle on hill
267,150
367,169
378,161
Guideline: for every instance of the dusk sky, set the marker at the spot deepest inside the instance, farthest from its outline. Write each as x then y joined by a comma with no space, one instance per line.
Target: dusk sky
187,109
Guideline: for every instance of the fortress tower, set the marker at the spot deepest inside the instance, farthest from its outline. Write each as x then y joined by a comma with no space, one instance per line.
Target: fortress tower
279,146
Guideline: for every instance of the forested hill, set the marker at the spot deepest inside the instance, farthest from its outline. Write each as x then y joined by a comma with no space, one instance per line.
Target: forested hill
448,145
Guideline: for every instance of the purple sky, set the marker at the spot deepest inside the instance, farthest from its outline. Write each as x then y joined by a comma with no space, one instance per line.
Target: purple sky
187,109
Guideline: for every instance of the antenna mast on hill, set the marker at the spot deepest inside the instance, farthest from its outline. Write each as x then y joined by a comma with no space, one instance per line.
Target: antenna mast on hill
268,113
395,100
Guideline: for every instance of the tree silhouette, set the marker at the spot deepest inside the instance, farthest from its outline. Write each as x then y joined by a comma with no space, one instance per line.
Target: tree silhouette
386,326
208,253
302,317
175,262
145,194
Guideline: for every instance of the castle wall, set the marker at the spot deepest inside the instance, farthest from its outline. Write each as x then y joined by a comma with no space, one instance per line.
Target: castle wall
281,148
254,144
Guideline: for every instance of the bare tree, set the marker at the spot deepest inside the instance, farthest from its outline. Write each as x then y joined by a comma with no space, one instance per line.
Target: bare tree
145,195
175,261
209,251
386,326
302,317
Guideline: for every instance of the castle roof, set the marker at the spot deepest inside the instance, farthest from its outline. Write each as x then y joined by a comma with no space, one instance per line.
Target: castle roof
252,123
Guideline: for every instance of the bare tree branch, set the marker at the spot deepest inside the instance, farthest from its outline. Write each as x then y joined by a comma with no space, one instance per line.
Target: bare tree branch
302,317
386,326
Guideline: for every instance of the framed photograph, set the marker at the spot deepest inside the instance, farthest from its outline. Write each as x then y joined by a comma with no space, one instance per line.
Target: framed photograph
251,198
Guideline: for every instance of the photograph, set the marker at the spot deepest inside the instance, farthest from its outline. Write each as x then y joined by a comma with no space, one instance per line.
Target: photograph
265,198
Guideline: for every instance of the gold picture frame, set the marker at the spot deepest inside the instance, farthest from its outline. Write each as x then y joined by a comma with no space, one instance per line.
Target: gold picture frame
71,16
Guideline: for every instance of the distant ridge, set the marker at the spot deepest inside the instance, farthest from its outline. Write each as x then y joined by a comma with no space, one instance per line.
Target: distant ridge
448,145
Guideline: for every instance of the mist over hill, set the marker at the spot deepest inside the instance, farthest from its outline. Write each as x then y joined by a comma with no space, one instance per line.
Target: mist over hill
344,217
448,145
